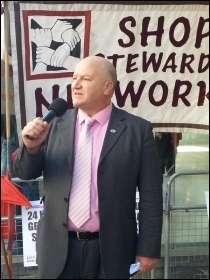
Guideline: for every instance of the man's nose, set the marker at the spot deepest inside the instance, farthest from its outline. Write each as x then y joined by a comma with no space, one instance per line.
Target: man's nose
76,83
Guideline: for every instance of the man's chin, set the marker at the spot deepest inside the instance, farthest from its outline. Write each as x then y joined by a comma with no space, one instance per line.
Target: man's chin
75,104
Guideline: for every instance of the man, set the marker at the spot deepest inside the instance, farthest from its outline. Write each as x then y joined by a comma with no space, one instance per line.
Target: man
166,151
124,158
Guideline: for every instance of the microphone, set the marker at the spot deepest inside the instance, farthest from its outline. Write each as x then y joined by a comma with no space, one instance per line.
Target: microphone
56,109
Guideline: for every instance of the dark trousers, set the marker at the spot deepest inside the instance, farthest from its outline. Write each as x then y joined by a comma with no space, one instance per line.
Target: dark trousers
83,260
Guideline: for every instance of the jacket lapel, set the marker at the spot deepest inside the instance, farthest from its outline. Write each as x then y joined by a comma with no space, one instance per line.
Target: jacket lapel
115,128
67,131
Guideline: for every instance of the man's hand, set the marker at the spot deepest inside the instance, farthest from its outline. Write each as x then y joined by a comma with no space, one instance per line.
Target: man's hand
38,130
146,264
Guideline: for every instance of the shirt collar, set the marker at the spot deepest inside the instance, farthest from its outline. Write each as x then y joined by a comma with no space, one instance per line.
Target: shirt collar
101,117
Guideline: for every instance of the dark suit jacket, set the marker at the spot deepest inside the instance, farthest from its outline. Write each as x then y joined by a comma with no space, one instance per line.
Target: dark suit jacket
129,159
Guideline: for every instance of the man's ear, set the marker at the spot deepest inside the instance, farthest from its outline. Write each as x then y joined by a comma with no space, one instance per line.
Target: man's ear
108,87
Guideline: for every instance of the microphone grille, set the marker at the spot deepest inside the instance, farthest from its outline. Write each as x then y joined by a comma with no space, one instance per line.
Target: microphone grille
59,106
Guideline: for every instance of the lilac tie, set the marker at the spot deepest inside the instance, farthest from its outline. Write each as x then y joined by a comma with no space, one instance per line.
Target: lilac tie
79,205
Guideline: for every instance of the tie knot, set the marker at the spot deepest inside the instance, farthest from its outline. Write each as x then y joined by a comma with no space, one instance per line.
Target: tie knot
89,121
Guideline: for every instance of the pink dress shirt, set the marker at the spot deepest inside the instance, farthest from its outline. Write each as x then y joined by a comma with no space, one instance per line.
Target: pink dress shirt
99,128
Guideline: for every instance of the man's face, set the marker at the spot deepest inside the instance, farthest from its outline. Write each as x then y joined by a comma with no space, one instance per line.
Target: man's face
88,86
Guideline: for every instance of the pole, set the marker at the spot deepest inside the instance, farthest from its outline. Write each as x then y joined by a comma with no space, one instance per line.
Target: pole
6,37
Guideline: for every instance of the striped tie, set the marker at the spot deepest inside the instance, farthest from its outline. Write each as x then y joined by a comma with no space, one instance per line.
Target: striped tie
79,205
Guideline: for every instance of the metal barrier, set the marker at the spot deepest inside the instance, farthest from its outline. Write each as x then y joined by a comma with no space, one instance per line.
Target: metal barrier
192,223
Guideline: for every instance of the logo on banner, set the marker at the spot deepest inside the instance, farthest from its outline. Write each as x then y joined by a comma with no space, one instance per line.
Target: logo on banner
55,42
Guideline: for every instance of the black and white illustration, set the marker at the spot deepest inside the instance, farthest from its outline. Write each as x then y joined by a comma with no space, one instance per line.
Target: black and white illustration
55,48
54,42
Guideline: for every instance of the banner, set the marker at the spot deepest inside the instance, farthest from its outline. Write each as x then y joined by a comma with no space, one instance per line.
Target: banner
160,52
30,218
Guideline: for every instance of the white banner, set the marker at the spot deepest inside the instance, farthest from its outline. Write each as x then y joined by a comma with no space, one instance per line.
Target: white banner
30,218
161,54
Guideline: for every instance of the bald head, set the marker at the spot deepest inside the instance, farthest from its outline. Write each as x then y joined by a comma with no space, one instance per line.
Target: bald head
93,84
104,66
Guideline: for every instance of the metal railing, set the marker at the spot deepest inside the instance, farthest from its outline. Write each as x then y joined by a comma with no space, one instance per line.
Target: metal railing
169,208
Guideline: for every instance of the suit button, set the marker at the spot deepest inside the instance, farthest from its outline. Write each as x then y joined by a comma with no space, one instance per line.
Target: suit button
65,199
64,224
